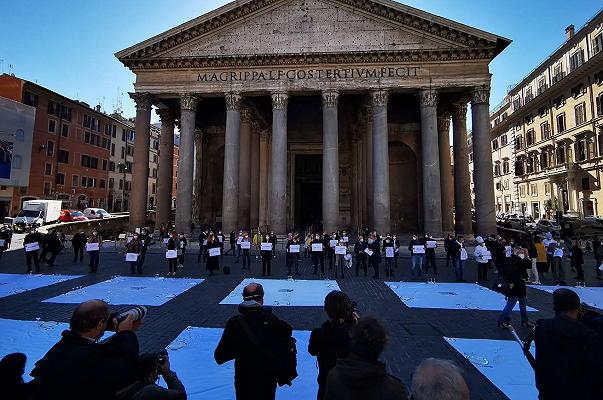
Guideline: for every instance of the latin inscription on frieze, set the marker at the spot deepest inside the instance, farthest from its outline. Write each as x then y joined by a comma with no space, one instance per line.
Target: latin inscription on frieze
310,74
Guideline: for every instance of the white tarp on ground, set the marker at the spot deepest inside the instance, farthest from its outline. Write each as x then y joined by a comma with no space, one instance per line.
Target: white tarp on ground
285,292
130,290
450,296
593,296
192,358
502,362
18,283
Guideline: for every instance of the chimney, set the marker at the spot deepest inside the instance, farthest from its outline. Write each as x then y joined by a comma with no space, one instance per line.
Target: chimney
98,108
569,32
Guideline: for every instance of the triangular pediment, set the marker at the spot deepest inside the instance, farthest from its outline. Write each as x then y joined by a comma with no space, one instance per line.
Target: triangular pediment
275,27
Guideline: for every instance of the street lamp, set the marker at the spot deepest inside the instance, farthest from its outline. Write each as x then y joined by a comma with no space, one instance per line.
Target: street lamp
124,169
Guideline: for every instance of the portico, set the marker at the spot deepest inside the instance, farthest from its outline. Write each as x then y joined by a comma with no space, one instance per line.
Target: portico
369,86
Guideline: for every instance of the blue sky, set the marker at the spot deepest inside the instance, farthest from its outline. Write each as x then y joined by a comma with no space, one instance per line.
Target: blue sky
69,46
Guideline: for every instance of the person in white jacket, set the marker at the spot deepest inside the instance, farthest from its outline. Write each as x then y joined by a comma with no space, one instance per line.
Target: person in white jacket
482,257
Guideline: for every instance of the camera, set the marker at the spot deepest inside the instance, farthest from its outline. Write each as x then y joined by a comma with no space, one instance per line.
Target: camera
138,313
161,358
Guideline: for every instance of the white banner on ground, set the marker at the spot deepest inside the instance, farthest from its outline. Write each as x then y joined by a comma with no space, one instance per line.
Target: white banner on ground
131,257
316,247
171,254
294,248
266,247
92,247
341,250
32,247
214,252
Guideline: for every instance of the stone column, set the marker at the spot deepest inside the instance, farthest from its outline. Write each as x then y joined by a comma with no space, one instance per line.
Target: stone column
245,170
198,178
483,177
430,155
462,182
278,184
254,198
381,211
264,176
140,170
165,174
330,161
186,160
230,187
445,172
368,160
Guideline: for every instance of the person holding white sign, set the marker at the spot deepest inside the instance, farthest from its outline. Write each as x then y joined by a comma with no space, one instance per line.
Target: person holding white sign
214,252
340,252
31,243
389,250
417,256
374,246
293,248
93,248
318,254
482,257
266,248
182,243
202,244
245,245
331,249
430,257
359,248
132,253
171,253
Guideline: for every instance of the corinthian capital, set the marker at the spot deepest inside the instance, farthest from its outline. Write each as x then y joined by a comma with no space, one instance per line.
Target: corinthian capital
444,123
280,100
330,98
428,98
246,115
380,97
142,99
233,101
165,116
459,110
188,102
480,95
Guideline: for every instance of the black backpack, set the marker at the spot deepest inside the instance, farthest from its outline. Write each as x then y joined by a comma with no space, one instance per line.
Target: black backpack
282,355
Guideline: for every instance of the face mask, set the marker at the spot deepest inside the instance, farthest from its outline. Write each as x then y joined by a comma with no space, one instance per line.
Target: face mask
32,231
136,237
94,233
267,237
522,256
317,237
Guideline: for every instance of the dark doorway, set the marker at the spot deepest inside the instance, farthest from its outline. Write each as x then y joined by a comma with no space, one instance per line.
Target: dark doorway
308,191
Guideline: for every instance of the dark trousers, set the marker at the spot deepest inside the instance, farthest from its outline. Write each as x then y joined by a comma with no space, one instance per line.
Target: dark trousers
42,256
181,256
94,256
316,259
395,259
389,264
246,261
449,258
331,255
580,270
133,266
53,256
266,265
361,262
482,271
375,267
32,255
430,261
255,390
232,248
141,257
201,254
172,264
78,250
292,259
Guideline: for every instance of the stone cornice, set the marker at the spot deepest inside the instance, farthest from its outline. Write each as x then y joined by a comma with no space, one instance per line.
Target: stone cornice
371,57
426,24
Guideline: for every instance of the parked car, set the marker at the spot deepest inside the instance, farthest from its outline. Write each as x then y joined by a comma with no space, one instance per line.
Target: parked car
544,225
96,213
72,215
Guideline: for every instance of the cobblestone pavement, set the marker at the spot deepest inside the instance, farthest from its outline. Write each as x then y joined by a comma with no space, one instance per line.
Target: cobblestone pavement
415,334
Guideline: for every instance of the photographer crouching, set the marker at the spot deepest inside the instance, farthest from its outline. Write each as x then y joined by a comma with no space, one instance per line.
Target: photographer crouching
151,365
79,367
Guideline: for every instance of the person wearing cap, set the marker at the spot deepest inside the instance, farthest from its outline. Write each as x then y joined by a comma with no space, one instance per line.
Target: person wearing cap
246,339
480,253
569,355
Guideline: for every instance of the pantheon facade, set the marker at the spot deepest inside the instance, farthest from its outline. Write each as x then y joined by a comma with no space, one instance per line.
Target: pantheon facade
332,113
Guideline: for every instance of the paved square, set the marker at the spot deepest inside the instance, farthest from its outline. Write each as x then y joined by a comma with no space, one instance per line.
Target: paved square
450,296
502,362
130,290
287,292
192,355
593,296
18,283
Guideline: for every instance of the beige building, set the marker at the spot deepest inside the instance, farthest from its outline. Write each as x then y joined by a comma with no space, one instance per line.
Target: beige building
336,114
552,123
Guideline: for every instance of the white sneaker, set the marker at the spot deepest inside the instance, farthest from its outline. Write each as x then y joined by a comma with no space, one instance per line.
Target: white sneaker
180,266
536,283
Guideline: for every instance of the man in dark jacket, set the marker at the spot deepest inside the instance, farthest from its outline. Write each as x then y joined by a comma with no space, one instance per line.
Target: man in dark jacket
569,355
146,388
78,367
247,339
53,246
32,237
448,244
78,243
360,376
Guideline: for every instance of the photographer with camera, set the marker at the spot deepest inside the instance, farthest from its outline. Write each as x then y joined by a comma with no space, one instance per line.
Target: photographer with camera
79,367
569,354
151,365
332,340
